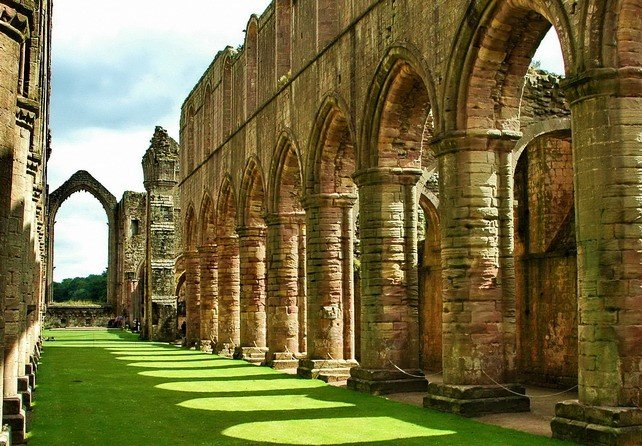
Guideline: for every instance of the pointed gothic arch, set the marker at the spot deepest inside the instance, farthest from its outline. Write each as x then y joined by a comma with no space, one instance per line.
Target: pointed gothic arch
84,181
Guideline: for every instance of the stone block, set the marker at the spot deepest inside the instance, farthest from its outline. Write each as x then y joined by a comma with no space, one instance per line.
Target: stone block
386,381
471,401
592,425
14,417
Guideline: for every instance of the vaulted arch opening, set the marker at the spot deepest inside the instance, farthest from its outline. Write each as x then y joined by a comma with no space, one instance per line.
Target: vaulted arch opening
252,245
228,270
83,181
191,330
208,265
330,198
286,298
391,165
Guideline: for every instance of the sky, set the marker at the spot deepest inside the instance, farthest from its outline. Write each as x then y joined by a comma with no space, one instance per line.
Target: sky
120,68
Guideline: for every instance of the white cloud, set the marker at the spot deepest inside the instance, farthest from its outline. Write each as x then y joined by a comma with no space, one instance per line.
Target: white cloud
119,69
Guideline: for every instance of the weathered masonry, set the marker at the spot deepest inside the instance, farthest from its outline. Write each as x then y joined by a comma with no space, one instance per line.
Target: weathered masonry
24,149
310,157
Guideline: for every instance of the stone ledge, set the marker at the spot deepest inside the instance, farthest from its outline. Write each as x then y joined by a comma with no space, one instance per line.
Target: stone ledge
313,368
385,381
594,425
471,401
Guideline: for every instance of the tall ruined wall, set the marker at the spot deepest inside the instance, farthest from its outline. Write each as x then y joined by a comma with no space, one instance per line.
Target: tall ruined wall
132,227
25,42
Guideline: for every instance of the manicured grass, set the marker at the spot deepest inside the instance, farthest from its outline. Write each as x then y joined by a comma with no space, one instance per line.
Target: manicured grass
107,388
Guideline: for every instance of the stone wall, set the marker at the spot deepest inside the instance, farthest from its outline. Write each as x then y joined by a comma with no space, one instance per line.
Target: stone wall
132,237
60,316
328,101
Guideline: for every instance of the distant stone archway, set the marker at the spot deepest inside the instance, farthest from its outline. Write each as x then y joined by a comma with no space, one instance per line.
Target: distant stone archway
84,181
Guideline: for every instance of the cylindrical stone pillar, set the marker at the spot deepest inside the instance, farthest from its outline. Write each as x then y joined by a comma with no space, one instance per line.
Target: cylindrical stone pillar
228,295
192,298
209,296
606,107
284,285
478,321
326,261
330,299
252,248
389,289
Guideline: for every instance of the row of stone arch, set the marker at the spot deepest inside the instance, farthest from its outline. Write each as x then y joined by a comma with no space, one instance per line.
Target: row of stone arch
470,139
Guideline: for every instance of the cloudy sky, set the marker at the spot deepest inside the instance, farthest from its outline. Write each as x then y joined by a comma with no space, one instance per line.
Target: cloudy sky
119,69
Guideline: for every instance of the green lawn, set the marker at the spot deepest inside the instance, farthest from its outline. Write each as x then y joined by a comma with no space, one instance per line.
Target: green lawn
107,388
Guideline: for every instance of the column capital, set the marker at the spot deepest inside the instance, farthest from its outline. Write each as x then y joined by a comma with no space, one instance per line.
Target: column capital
622,82
328,200
474,140
387,175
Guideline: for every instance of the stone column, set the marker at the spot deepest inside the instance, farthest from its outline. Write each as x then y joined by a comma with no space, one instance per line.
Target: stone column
192,298
228,295
475,173
284,289
209,297
606,106
328,257
389,284
252,251
160,168
12,172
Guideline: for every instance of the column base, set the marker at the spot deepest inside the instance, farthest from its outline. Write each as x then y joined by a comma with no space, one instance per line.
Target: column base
593,425
25,391
14,415
5,435
472,401
326,370
30,372
384,381
253,355
282,360
206,346
225,350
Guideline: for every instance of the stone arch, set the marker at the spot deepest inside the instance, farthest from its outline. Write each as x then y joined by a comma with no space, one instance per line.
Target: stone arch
430,299
207,232
401,73
252,62
208,264
614,34
190,149
285,187
286,300
227,82
330,197
190,237
537,129
545,256
208,119
490,59
332,152
228,269
252,197
252,251
84,181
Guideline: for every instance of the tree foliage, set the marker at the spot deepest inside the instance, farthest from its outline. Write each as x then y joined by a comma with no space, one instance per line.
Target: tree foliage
92,288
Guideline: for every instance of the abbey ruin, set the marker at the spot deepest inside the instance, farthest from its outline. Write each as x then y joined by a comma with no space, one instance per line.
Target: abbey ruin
370,190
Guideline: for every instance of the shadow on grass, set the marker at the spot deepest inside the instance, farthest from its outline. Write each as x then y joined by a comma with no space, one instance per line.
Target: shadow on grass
85,396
